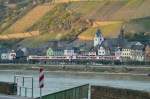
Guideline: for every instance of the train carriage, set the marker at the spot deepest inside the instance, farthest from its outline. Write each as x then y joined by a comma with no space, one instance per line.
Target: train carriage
73,58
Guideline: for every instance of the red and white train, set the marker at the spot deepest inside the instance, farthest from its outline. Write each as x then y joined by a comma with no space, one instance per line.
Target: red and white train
71,58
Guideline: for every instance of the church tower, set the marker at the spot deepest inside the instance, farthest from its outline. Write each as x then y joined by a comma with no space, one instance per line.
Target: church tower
98,39
121,35
121,38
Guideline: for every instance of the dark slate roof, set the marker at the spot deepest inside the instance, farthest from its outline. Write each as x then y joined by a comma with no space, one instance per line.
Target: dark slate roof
110,43
36,51
85,45
135,45
56,44
3,50
58,49
19,53
98,33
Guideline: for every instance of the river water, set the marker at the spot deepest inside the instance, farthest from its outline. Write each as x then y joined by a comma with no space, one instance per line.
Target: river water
57,81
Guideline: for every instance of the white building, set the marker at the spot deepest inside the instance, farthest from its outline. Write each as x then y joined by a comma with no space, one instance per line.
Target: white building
98,39
138,55
69,52
103,51
133,52
8,56
4,56
126,53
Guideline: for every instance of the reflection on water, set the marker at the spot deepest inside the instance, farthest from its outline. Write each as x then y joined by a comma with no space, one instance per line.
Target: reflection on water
56,81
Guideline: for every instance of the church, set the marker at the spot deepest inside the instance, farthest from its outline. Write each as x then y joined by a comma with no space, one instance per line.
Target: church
98,39
105,47
99,47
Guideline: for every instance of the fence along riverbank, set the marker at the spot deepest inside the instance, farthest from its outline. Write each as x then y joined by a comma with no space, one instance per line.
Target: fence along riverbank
80,92
98,92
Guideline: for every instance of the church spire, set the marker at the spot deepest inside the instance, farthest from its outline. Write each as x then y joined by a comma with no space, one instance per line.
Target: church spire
98,33
121,37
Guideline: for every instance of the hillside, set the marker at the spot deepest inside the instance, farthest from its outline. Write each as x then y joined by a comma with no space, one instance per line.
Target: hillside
10,12
29,19
122,10
112,28
80,19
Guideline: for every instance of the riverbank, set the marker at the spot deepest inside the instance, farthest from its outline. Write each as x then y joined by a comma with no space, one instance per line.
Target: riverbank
138,70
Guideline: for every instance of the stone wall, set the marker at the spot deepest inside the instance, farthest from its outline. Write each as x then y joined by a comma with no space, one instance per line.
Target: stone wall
103,92
8,88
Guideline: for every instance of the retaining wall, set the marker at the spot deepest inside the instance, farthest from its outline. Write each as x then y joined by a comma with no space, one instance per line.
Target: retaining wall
80,92
103,92
8,88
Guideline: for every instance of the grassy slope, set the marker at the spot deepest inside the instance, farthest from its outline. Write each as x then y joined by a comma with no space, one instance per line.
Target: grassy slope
111,30
139,25
129,10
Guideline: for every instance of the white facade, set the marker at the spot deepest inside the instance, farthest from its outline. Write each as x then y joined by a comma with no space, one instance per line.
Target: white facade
4,56
137,55
102,51
96,41
126,53
69,52
134,55
8,56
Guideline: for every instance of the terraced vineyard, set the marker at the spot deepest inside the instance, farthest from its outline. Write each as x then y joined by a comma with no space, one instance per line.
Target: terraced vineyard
81,18
29,19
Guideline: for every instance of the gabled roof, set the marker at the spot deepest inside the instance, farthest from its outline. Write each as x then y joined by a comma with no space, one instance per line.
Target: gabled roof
81,44
135,45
